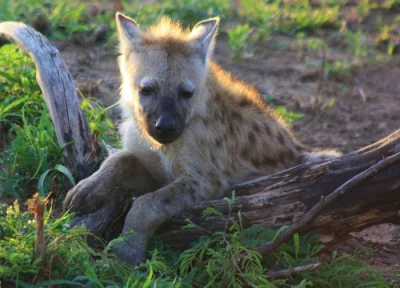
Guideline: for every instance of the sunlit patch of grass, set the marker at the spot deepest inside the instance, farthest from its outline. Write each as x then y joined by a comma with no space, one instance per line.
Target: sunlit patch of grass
68,260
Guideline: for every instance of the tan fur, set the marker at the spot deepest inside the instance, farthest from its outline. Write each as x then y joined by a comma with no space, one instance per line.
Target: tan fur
230,135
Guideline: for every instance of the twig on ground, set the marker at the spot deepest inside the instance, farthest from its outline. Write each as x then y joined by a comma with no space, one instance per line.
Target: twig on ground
362,93
286,273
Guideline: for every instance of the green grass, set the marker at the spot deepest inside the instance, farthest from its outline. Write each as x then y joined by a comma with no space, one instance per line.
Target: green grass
68,260
32,159
208,263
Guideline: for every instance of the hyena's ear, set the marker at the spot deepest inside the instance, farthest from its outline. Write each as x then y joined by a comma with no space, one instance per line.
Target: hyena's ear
128,32
203,36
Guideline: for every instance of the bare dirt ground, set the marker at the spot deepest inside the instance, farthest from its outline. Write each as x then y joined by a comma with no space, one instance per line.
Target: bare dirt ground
352,122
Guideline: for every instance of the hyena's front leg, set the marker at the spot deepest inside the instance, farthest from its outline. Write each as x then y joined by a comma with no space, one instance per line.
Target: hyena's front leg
149,211
121,175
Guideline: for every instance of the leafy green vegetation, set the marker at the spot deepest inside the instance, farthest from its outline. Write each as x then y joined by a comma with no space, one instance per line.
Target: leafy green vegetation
68,260
239,40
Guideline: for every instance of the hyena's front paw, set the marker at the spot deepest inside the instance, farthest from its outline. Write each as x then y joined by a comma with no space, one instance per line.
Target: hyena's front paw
88,196
131,252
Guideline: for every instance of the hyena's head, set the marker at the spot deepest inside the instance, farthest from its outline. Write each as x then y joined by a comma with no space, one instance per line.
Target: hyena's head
163,72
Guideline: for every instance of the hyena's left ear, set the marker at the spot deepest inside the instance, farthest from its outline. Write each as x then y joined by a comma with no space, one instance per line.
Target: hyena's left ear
128,32
203,36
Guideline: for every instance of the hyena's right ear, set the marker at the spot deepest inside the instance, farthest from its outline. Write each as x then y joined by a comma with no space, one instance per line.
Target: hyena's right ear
203,35
128,32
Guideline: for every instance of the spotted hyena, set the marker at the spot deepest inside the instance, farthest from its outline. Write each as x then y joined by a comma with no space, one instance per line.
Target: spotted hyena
190,131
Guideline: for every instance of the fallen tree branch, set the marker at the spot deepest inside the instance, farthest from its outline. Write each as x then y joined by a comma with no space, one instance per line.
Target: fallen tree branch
285,197
57,85
288,233
290,272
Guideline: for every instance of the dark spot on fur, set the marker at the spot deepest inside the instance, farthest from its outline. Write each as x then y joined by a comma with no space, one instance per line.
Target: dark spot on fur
291,155
219,116
218,142
236,116
255,127
214,161
268,161
228,173
217,97
205,122
244,102
252,137
281,157
267,130
281,139
244,153
231,128
216,182
256,162
167,201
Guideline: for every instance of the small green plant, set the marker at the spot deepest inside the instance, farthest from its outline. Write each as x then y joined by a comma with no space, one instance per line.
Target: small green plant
356,44
337,67
239,40
363,8
289,117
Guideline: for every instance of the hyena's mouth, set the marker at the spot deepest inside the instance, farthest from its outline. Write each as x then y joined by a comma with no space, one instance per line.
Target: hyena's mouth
165,140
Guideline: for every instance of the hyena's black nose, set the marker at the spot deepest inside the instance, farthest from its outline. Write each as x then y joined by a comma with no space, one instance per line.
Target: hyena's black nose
165,124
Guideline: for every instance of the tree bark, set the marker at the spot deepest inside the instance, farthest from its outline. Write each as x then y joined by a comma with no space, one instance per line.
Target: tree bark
283,198
271,201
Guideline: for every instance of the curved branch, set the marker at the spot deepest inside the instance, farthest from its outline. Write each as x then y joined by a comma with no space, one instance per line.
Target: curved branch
57,85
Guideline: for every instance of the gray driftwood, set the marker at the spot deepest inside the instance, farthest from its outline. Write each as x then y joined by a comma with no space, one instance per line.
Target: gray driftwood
271,201
57,85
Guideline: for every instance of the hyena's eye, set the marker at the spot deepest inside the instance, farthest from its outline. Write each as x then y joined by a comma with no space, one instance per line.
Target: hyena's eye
186,94
145,90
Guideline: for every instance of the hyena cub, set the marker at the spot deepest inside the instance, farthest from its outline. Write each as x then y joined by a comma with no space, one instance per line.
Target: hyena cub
190,131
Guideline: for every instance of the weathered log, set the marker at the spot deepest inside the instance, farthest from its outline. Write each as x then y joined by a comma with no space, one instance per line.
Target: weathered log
57,85
284,198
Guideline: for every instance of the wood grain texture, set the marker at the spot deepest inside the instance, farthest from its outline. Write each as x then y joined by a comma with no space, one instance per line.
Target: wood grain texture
285,197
